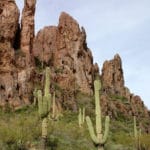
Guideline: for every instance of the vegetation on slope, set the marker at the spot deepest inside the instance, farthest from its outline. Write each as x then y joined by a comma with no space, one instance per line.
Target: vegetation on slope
21,130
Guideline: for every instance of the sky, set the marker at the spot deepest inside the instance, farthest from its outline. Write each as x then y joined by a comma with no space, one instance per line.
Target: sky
112,26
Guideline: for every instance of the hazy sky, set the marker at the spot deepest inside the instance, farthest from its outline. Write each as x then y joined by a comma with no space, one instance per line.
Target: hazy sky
112,26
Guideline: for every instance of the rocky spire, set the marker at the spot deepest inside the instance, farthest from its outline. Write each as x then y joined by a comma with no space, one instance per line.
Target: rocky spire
112,76
117,98
27,27
15,77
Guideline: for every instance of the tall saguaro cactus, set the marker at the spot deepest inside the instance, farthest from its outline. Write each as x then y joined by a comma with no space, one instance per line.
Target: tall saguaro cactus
137,135
44,105
55,113
99,138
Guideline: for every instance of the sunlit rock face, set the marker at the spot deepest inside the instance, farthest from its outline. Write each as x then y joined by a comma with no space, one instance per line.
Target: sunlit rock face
112,76
64,48
117,100
15,77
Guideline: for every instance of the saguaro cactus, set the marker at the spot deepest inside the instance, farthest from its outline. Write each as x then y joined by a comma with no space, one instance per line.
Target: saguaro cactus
81,116
55,113
44,106
99,138
54,107
135,129
35,96
137,135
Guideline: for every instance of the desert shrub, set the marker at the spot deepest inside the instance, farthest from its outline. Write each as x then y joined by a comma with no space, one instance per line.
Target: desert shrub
113,146
119,98
38,63
145,141
18,128
19,52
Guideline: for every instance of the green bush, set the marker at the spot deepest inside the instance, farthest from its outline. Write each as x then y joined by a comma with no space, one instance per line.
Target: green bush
21,130
19,52
145,141
16,129
119,98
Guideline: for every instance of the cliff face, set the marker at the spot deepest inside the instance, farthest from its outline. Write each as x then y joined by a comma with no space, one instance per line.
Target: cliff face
64,48
9,16
15,76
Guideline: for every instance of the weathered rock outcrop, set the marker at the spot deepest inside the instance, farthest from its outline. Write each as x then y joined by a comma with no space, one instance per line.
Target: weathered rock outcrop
64,48
112,76
9,16
27,28
116,98
15,77
6,70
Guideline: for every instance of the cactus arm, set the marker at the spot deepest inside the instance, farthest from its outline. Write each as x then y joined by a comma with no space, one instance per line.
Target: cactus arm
45,106
140,132
54,109
44,128
40,103
98,109
47,80
91,130
34,101
107,121
35,94
80,118
83,115
48,99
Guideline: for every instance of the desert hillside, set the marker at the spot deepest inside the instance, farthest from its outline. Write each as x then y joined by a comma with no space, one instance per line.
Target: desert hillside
67,88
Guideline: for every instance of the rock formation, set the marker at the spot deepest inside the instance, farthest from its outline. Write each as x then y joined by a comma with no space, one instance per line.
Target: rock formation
27,28
9,16
6,69
64,48
116,98
112,76
15,79
15,85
